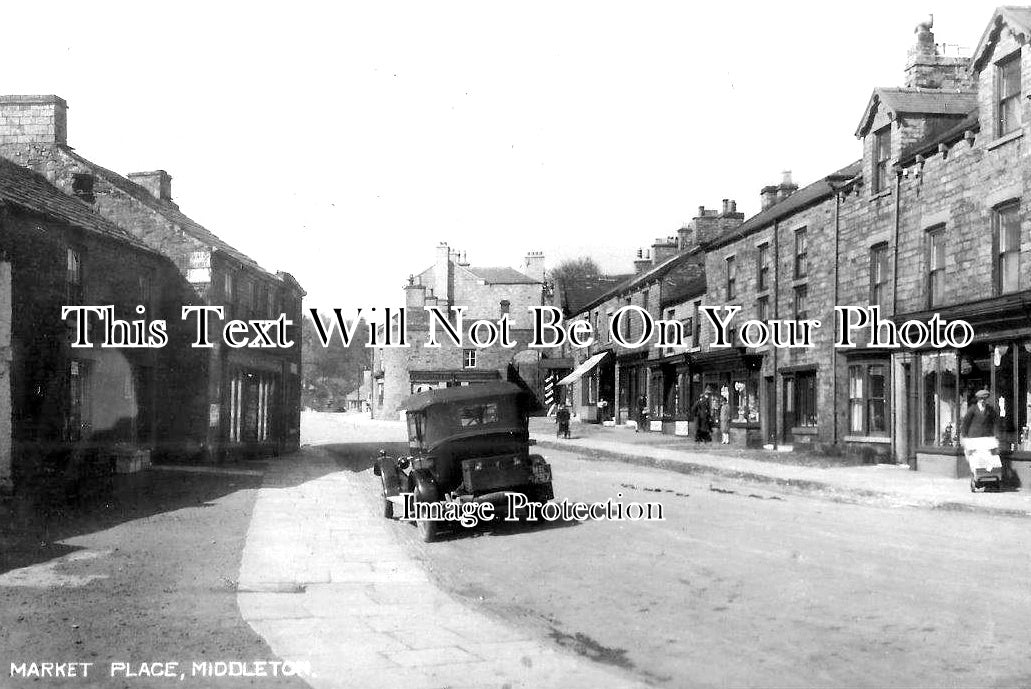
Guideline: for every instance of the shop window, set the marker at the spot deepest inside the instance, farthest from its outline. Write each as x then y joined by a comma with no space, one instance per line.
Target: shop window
939,397
800,400
1008,92
1006,223
868,399
744,398
881,159
878,274
801,253
762,267
935,267
468,358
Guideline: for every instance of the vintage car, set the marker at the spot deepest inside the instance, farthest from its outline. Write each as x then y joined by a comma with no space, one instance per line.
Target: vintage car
467,444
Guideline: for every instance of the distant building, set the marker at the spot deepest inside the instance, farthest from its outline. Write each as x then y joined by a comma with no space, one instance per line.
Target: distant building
482,293
250,398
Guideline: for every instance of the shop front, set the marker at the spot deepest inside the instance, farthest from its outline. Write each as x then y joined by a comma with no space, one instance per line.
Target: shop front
634,377
942,384
947,381
733,375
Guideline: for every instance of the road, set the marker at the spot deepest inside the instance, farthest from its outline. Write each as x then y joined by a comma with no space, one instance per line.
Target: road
740,586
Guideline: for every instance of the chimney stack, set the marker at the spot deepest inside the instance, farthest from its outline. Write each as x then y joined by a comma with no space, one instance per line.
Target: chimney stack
768,196
927,68
33,120
157,182
787,187
533,265
663,249
442,275
643,261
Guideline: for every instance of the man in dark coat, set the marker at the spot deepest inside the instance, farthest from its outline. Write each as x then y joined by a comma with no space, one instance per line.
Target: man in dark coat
562,419
981,419
642,413
702,414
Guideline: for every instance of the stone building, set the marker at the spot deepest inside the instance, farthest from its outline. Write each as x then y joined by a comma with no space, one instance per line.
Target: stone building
938,223
482,293
931,220
619,375
68,414
250,400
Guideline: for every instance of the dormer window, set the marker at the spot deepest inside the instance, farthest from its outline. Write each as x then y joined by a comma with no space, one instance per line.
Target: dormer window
1008,90
82,186
881,158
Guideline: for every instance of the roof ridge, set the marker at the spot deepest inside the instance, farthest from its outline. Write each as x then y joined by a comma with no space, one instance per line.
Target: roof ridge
168,208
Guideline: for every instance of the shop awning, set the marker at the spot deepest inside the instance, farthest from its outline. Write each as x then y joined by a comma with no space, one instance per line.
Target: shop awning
582,369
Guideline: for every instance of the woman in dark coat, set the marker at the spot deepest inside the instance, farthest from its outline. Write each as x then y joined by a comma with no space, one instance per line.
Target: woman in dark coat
702,414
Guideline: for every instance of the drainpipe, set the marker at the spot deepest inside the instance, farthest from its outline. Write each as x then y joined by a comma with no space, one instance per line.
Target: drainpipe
776,315
895,308
834,352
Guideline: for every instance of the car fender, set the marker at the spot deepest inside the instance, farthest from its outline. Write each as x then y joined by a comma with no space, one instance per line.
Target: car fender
425,486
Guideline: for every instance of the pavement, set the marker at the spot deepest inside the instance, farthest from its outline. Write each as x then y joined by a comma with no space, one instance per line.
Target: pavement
330,585
889,485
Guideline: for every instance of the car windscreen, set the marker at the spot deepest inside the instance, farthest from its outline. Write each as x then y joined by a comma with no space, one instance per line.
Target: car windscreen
470,416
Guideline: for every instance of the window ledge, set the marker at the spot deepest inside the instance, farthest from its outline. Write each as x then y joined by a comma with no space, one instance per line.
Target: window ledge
881,194
878,439
1005,139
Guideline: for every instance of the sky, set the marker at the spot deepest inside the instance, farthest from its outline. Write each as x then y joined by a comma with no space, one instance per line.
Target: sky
342,142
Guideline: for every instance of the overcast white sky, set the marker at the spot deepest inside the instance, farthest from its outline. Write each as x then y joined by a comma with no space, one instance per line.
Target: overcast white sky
343,141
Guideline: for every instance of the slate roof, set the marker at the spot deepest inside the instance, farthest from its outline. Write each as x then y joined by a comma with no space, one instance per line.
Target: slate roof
805,196
940,102
31,191
682,288
170,212
502,276
580,291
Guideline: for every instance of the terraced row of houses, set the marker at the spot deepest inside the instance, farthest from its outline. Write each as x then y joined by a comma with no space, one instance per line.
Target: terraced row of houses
75,233
933,218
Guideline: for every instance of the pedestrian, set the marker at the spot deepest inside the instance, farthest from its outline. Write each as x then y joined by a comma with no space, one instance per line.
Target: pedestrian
981,419
562,419
642,412
725,420
978,436
702,415
603,406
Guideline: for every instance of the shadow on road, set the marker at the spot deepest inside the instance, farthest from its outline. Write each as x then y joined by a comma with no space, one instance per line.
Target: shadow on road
33,522
359,457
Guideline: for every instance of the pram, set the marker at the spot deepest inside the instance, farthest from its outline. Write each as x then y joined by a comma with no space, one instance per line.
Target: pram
982,456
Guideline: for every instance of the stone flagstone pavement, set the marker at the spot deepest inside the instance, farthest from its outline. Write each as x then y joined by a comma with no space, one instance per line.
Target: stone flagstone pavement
324,580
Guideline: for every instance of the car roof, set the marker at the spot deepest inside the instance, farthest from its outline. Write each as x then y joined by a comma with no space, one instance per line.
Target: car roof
422,400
